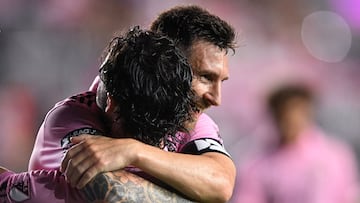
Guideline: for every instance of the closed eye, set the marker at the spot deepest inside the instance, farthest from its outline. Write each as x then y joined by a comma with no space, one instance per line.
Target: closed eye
207,77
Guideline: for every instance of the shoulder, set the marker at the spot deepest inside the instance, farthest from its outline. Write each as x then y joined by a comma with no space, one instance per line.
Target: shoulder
205,119
85,99
205,137
80,104
205,128
74,113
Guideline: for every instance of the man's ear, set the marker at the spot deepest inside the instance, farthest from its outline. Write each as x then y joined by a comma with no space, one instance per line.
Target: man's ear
110,103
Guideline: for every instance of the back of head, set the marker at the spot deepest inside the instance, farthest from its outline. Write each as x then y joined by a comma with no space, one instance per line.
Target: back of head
187,24
150,80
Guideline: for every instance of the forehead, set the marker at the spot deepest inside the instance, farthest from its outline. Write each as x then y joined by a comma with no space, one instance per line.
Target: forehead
205,56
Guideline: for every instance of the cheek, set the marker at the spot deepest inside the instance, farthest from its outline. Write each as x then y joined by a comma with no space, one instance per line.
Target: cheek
199,89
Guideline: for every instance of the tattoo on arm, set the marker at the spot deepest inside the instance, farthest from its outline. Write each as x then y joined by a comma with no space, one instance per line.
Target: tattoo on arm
122,186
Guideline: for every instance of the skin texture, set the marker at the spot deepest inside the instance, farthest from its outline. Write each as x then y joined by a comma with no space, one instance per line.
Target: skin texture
196,176
129,187
210,68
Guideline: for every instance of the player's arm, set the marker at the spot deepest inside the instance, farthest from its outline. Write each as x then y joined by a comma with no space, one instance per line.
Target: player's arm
42,186
206,167
196,176
122,186
37,186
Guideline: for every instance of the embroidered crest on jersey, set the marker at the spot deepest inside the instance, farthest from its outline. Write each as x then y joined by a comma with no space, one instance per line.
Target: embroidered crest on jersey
21,190
65,141
203,145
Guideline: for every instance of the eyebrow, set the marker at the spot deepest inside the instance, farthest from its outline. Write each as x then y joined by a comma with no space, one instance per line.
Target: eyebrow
211,74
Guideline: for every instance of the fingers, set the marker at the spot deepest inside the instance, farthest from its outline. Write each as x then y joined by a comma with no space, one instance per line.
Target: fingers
77,154
73,151
82,173
92,155
76,149
87,177
83,161
78,139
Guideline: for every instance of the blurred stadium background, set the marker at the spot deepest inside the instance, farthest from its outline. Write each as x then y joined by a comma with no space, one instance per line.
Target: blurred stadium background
50,50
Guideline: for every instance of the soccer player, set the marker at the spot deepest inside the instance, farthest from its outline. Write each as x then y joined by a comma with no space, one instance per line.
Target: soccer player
203,165
144,93
304,163
205,39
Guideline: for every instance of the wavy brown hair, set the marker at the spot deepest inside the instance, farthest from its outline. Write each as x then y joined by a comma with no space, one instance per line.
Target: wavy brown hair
150,80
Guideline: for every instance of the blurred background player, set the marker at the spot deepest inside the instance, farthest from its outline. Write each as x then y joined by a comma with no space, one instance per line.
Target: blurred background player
305,164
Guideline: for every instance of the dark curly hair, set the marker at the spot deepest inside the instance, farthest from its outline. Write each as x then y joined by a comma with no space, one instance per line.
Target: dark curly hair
187,24
150,80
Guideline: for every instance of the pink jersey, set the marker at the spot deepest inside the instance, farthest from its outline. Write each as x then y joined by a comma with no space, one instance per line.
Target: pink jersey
315,169
71,117
80,114
42,186
77,115
203,138
37,187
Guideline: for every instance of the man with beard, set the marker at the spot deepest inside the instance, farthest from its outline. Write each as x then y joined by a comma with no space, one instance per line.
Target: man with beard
202,165
144,93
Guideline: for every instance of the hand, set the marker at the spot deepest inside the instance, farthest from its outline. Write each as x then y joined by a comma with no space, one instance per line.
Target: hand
92,155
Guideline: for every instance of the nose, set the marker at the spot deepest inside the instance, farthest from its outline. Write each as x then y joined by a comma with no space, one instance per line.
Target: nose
213,97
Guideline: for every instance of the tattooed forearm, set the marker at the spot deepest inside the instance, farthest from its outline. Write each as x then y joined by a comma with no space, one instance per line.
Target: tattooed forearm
122,186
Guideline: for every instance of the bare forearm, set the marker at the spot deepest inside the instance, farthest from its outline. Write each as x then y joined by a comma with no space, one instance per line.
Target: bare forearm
122,186
196,176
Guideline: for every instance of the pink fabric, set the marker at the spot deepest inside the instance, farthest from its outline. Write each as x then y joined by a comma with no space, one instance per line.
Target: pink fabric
67,117
81,112
37,187
205,128
74,113
316,169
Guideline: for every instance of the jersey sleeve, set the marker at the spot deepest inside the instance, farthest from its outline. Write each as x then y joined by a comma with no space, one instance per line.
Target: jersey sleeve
76,116
39,186
71,120
204,138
